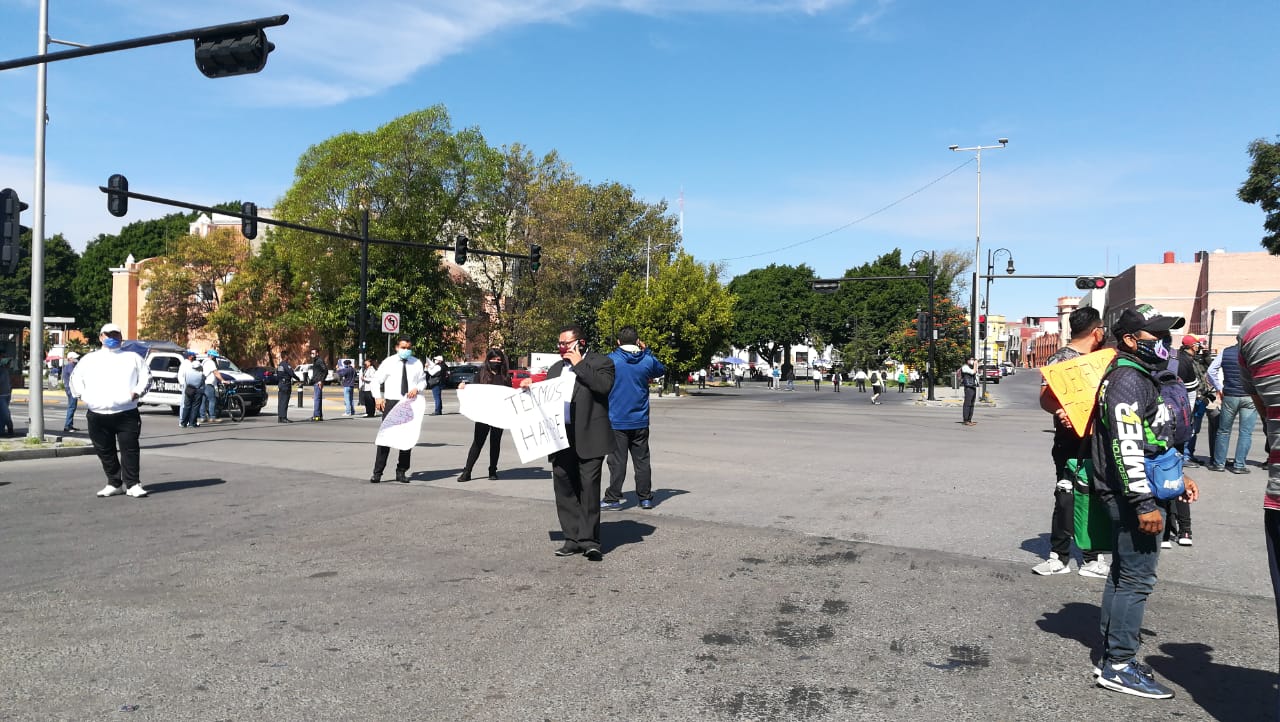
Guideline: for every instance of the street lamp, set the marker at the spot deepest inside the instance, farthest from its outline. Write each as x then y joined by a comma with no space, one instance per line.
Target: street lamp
977,246
917,258
991,270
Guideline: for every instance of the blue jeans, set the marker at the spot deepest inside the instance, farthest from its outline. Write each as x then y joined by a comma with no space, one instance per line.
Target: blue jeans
1234,407
210,410
437,392
317,400
348,399
6,421
72,403
1133,577
1271,524
190,413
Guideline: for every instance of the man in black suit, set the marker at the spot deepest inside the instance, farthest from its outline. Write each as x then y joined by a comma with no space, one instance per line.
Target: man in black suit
576,470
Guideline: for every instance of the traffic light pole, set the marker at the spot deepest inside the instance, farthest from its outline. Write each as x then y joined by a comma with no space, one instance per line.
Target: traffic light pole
363,321
35,407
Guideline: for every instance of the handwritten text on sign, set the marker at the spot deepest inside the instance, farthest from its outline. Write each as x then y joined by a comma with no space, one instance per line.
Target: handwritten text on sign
1075,383
535,416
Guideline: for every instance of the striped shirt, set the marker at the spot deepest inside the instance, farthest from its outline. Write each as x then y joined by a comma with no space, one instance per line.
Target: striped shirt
1259,339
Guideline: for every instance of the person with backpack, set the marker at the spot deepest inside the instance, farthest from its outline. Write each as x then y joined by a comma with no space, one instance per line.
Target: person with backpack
1141,417
877,386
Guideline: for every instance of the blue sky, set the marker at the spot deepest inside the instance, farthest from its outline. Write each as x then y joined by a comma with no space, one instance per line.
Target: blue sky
782,120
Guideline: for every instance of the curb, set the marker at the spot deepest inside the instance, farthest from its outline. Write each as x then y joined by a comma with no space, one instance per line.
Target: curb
56,452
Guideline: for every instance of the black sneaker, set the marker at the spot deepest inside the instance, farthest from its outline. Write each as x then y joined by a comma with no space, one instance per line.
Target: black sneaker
568,550
402,477
593,555
375,479
493,475
1239,470
1215,467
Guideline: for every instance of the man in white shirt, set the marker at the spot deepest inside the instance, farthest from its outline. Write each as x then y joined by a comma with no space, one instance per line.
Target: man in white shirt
109,382
400,377
212,376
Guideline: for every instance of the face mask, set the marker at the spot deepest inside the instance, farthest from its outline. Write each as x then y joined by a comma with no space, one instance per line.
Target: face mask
495,364
404,353
1154,352
111,343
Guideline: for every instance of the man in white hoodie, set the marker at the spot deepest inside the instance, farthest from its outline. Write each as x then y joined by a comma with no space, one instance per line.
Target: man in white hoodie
109,382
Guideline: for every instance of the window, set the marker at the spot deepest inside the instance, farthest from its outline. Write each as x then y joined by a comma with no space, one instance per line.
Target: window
1236,316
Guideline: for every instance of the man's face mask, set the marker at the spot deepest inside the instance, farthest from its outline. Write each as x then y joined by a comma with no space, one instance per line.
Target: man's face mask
1155,352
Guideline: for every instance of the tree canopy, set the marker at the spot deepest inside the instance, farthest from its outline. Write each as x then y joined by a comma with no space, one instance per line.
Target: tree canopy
774,310
1262,187
61,266
684,317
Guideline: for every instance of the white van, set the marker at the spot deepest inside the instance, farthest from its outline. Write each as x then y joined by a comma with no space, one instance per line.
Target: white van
166,389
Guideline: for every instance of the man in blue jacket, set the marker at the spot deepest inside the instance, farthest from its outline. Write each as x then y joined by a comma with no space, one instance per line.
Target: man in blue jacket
634,365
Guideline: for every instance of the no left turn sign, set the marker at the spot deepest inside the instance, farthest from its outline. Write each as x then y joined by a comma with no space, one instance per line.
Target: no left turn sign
390,323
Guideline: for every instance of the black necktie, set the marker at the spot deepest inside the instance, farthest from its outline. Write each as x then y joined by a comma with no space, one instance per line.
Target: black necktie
404,379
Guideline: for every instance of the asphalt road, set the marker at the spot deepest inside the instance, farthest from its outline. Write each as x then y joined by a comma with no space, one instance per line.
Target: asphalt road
812,557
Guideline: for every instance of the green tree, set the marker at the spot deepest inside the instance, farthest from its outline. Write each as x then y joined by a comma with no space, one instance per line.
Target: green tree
60,265
1263,188
184,287
415,176
260,309
951,349
141,239
685,316
774,309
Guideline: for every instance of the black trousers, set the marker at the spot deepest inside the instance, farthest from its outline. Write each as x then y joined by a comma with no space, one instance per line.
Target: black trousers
380,459
636,443
483,431
115,438
282,401
366,398
970,395
577,488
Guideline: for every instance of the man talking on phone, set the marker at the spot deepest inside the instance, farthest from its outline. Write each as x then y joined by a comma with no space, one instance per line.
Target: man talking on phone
576,470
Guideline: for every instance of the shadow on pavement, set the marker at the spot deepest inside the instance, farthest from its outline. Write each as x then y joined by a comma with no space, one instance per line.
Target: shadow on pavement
1038,545
163,486
1223,691
614,534
1076,620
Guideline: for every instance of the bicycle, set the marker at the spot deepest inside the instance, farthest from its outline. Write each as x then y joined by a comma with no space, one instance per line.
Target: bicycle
228,400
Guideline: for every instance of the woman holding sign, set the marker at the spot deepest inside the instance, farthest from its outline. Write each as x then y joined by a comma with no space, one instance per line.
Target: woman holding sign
494,371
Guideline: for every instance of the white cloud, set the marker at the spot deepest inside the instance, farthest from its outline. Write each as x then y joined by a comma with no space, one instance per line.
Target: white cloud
331,51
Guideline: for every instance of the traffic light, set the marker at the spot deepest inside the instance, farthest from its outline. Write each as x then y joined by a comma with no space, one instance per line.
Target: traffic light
11,209
221,56
535,257
1090,283
249,224
922,326
117,203
460,249
982,327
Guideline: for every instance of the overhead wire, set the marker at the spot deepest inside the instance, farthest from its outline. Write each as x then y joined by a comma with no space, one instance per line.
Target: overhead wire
855,222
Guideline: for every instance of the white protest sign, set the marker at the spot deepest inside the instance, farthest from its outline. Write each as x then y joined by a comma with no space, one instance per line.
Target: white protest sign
535,416
402,427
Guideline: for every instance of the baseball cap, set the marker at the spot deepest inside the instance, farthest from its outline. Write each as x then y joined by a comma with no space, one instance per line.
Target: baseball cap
111,328
1190,340
73,355
438,358
1145,318
213,353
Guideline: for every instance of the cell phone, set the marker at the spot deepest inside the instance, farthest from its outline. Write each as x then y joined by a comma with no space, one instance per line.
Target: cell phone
582,346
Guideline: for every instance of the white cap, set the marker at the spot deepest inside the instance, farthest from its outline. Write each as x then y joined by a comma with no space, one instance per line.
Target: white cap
111,328
437,358
73,355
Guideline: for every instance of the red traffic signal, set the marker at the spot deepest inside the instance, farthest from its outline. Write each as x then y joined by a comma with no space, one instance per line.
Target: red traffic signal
1090,283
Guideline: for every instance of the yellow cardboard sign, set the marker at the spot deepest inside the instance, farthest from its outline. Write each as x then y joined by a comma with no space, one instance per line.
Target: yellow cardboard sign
1075,383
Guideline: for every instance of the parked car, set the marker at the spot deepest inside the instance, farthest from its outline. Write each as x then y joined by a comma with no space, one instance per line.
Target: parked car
1006,369
166,389
302,371
517,375
991,373
265,374
460,374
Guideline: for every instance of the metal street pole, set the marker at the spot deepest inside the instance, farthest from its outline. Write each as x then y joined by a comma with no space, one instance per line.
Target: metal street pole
991,269
977,245
35,360
363,321
933,329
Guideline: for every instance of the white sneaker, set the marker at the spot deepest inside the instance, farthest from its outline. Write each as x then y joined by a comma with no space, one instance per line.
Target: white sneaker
1052,565
1166,544
1096,569
110,490
136,491
1065,485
